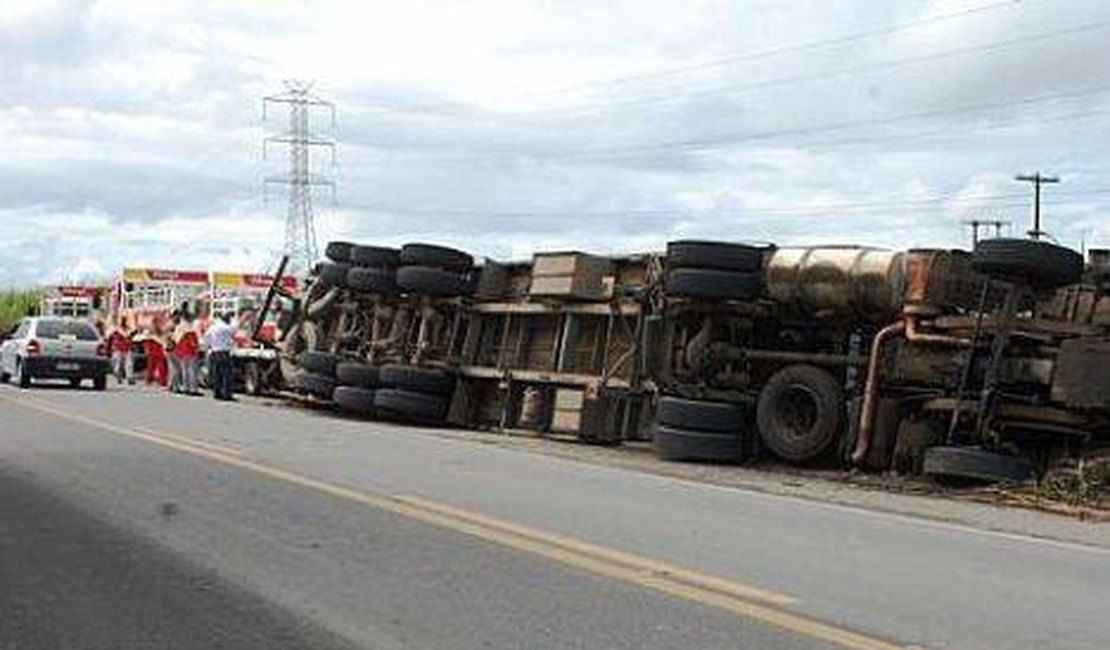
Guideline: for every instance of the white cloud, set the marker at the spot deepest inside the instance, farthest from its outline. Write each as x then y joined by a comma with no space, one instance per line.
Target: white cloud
133,129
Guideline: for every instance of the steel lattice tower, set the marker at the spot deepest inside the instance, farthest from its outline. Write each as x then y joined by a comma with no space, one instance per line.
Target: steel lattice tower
300,228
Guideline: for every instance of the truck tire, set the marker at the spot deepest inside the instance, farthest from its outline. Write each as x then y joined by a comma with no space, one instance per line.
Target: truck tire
672,443
699,415
375,257
358,374
1038,263
414,378
437,257
320,363
334,274
316,385
372,280
724,256
977,464
339,251
411,404
433,282
714,284
354,399
800,412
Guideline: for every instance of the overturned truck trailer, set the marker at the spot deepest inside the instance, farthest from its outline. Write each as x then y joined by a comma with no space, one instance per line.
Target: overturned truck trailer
988,364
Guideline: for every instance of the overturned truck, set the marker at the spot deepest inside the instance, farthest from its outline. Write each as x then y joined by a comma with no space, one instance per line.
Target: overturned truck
988,364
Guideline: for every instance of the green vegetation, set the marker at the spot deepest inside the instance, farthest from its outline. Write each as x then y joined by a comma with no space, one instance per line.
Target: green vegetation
15,304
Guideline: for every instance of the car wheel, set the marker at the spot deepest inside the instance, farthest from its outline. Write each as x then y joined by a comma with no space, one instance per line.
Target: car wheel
75,383
100,382
23,379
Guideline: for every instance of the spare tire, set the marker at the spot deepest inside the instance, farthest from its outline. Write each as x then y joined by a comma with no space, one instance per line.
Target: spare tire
800,412
334,274
372,280
672,443
699,415
356,373
320,363
338,251
713,284
433,282
423,380
725,256
439,257
411,404
376,257
1039,263
354,399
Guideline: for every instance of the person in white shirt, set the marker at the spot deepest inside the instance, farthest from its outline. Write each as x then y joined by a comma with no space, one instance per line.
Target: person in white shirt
218,340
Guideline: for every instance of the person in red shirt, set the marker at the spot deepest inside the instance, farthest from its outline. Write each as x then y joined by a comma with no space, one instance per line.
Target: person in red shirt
119,345
156,369
187,350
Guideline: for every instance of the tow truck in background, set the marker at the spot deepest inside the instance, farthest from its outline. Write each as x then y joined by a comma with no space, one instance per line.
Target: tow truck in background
83,301
144,297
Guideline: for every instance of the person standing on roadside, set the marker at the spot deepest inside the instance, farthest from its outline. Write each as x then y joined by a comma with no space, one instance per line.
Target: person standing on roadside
218,341
155,354
173,362
186,347
119,344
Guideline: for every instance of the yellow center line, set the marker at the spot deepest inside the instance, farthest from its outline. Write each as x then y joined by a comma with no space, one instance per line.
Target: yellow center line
193,442
738,598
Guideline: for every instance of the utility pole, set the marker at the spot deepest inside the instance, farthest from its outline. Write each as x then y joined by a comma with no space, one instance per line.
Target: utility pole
1037,180
300,227
978,223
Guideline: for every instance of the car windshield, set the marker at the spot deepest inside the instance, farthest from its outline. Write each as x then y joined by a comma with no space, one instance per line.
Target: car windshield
58,328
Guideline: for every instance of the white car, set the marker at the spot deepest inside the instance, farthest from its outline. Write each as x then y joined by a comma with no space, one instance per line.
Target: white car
44,347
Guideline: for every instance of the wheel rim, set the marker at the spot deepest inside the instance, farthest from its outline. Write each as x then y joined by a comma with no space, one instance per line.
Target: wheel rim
798,411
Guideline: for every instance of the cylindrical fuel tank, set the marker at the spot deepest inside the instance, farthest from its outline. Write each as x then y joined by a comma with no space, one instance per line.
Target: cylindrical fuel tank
857,280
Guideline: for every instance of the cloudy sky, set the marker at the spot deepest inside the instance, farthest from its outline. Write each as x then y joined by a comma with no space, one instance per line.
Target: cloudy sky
132,130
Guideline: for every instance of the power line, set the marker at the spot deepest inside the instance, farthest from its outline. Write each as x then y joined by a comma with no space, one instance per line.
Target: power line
731,139
736,58
731,90
904,206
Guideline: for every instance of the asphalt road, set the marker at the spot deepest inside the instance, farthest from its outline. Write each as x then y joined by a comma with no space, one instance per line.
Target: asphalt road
138,519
